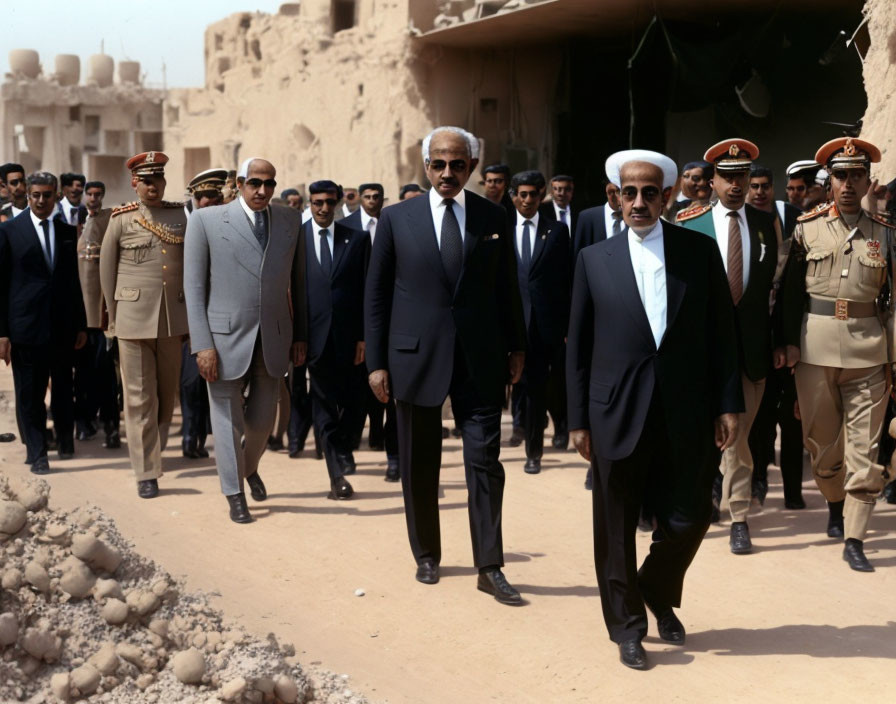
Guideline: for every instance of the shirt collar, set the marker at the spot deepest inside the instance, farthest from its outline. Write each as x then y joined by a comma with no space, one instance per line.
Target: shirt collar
248,211
317,228
520,219
365,219
655,232
435,200
741,212
36,220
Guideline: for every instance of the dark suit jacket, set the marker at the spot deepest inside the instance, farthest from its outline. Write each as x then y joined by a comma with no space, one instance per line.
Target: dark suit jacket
613,365
38,305
590,228
546,210
413,320
59,215
545,292
353,221
336,305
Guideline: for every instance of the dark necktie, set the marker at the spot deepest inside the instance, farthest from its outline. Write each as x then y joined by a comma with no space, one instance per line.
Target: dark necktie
326,258
48,253
452,245
526,249
563,217
735,258
617,223
261,229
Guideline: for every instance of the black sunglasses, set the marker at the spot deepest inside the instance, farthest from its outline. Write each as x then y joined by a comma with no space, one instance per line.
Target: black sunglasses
321,203
458,165
258,183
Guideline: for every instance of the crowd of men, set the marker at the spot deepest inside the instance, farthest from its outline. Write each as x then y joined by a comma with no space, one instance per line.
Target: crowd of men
666,334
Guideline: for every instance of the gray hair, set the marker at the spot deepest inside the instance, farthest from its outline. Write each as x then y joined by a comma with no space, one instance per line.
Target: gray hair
469,138
41,178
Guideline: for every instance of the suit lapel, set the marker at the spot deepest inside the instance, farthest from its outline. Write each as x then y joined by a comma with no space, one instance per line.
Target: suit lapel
471,238
30,238
542,232
236,217
618,263
341,237
423,234
755,249
675,277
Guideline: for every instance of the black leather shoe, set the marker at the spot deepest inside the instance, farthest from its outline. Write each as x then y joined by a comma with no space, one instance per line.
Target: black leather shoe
517,437
376,446
532,466
189,447
854,554
669,627
560,441
445,433
889,489
113,440
427,572
492,581
392,472
275,444
835,519
41,465
256,487
760,490
7,437
589,479
740,538
148,488
455,432
66,453
795,504
295,453
239,511
631,654
340,489
200,448
347,463
84,435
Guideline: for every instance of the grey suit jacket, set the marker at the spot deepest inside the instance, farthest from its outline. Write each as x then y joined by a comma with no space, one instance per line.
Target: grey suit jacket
233,288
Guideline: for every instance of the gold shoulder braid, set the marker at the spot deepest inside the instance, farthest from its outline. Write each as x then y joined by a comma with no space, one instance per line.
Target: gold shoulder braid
161,231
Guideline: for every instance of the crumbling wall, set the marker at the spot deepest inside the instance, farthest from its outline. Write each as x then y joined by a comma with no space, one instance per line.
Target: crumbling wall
880,84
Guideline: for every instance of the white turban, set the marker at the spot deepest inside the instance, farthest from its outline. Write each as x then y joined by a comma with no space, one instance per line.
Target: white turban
619,159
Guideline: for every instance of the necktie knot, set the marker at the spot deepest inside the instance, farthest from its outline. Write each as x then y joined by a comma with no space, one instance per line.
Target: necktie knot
324,233
45,225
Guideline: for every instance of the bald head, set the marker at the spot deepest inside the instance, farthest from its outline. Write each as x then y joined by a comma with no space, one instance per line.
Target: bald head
258,187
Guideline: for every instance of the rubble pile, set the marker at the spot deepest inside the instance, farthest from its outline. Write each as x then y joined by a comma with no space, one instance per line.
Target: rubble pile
83,617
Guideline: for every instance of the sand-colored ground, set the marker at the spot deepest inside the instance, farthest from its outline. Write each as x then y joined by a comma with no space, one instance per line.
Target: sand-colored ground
789,623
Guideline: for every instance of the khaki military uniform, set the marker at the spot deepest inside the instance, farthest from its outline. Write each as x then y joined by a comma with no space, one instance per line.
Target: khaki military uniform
89,244
836,273
141,272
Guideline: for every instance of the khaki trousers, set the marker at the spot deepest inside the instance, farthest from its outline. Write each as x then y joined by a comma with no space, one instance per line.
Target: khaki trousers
150,373
843,416
737,460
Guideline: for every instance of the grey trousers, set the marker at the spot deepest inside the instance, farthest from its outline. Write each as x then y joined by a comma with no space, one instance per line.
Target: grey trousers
242,413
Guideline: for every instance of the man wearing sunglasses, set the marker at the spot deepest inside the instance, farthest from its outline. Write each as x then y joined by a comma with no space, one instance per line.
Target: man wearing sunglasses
654,392
836,319
42,319
12,176
240,261
443,317
141,272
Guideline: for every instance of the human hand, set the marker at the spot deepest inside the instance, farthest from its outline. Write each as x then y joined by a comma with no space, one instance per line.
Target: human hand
207,361
726,430
515,363
359,353
581,440
298,353
379,384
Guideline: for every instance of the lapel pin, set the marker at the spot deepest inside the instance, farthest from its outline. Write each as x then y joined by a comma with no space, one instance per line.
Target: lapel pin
544,236
346,241
762,251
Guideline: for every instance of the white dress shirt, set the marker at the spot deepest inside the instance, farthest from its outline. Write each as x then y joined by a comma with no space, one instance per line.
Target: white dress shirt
306,214
368,224
40,235
16,211
438,212
558,210
649,264
330,239
520,223
720,221
609,220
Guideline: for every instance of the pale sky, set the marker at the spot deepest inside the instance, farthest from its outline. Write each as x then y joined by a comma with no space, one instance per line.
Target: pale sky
152,32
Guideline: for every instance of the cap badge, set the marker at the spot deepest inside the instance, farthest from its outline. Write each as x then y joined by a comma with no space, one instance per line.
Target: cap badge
733,150
849,148
150,157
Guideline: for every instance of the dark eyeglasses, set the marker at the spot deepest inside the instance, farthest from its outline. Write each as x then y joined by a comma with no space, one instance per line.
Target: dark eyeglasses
648,193
322,202
42,195
526,195
458,165
844,174
258,183
15,181
760,186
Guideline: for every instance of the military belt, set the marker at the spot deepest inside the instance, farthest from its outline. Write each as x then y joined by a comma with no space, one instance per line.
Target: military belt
842,309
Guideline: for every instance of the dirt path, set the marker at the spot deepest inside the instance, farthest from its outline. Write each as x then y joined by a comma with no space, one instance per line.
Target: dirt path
791,621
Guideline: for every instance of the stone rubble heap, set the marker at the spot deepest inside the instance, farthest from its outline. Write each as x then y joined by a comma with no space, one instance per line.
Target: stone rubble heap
82,617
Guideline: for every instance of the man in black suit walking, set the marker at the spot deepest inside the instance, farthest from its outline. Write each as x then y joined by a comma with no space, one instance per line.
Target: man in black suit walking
42,318
653,379
543,272
336,259
443,316
599,223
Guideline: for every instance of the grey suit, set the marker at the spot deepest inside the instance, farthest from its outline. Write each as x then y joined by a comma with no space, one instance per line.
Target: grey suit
238,303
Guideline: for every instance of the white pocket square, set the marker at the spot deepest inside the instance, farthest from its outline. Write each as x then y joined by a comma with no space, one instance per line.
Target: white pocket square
762,251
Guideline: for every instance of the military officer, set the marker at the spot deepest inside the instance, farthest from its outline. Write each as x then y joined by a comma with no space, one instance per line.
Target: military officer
205,189
748,240
835,322
100,386
141,272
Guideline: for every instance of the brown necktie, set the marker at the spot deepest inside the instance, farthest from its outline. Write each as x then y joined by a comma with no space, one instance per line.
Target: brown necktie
735,258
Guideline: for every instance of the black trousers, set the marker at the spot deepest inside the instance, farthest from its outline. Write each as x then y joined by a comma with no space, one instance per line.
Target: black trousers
680,498
95,383
556,389
193,400
33,367
776,408
420,459
379,432
534,385
300,418
337,402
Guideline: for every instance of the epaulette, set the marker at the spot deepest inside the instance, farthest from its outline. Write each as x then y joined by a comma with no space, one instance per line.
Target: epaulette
125,208
881,219
817,211
694,211
171,204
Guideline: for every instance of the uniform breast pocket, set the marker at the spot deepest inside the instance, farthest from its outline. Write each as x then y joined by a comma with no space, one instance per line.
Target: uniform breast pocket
874,271
819,263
